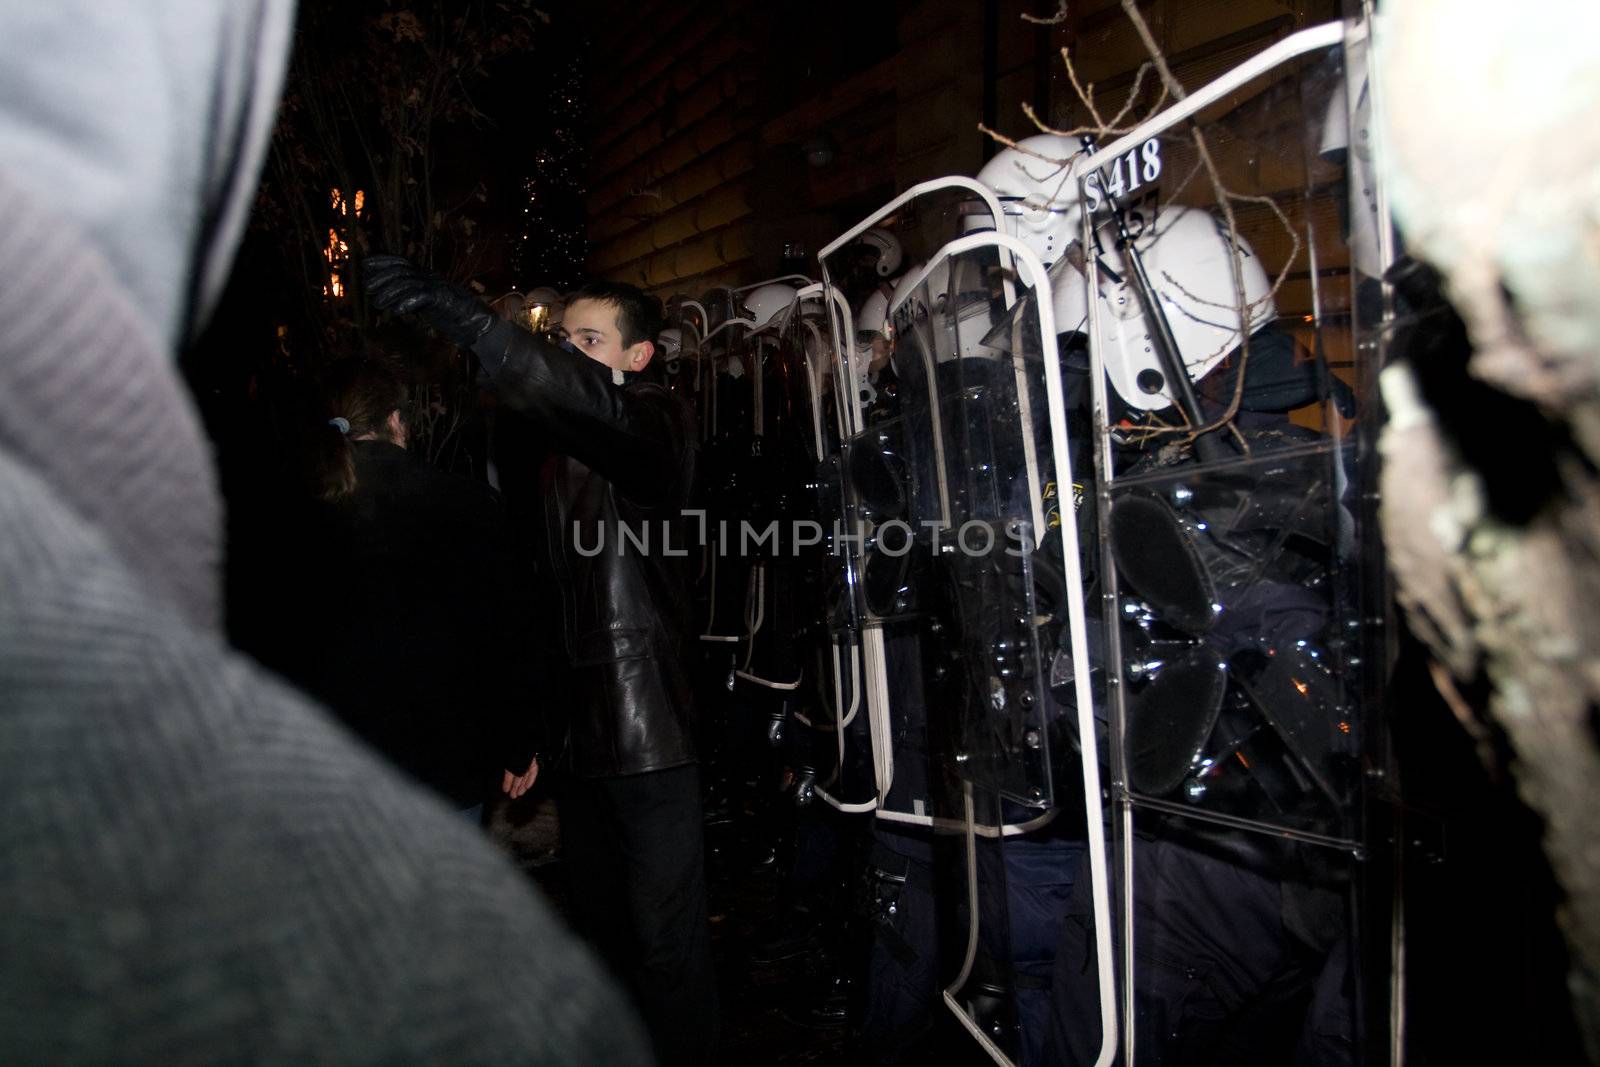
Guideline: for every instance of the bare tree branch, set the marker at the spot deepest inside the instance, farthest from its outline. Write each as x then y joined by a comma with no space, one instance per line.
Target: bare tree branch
1057,19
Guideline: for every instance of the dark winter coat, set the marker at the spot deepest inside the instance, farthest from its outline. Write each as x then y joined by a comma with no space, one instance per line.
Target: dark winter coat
418,634
606,455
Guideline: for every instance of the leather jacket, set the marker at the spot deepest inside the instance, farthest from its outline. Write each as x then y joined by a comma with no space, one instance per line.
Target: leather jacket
619,455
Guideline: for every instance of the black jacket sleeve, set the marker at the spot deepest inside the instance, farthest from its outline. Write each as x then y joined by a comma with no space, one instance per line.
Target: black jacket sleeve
631,434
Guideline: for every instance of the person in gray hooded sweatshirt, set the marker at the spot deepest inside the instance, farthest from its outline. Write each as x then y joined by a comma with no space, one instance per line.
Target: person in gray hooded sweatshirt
196,863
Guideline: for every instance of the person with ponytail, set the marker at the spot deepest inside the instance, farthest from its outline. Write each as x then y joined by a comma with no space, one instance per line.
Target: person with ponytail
364,399
417,637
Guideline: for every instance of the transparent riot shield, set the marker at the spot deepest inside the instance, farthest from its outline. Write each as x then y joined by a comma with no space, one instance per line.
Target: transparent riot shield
731,727
833,741
977,485
725,425
691,371
767,573
1215,291
683,327
877,481
970,598
1006,540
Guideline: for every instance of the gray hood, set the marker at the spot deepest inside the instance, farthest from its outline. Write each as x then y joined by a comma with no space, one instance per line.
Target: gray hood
131,133
145,123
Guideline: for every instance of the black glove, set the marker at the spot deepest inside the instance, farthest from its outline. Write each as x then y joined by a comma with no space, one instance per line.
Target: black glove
394,283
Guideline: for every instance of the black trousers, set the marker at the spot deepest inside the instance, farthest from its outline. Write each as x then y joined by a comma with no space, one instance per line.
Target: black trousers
634,851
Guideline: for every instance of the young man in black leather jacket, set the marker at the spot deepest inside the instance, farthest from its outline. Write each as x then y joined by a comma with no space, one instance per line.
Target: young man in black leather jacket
611,449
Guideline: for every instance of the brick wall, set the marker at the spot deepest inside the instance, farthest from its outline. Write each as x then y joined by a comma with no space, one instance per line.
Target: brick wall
703,111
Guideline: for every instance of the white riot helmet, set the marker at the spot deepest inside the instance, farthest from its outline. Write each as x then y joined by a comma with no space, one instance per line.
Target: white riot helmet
669,343
1187,259
957,315
888,247
873,318
766,304
897,299
963,304
872,326
1038,196
902,287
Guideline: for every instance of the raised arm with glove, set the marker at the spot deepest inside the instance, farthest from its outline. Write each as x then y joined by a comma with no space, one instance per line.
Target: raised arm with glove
454,312
635,437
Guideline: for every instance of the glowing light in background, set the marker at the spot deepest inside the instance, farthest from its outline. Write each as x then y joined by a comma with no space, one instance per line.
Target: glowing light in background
337,251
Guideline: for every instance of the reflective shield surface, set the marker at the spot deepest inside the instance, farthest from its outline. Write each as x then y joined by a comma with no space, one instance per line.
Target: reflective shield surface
1223,263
